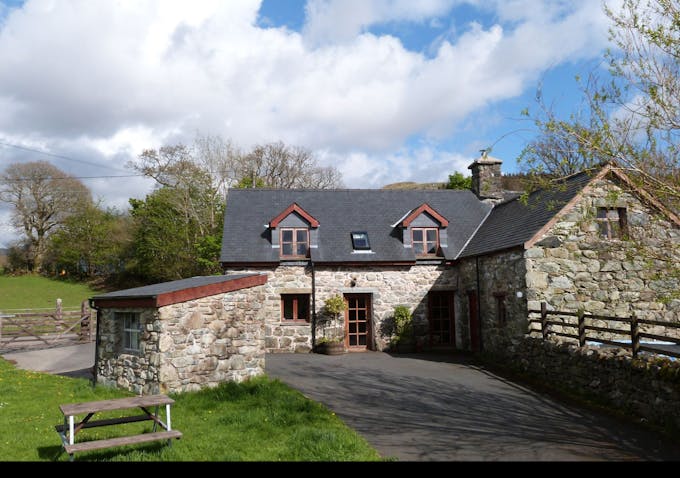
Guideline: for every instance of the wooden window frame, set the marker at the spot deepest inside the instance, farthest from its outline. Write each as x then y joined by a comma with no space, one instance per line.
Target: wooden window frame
294,243
296,299
422,245
606,229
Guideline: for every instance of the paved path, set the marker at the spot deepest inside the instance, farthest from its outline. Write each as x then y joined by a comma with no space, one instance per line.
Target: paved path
434,408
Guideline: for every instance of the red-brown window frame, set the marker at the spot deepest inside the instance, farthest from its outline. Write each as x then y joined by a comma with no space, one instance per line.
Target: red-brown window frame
294,243
424,242
296,299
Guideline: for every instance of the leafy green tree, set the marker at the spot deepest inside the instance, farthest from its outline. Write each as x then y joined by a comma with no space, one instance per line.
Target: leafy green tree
92,242
168,243
458,181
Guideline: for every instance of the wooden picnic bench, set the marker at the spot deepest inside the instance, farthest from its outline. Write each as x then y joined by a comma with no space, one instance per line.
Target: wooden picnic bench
72,424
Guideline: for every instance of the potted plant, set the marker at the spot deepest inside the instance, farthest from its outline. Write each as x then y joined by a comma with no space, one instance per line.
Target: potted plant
333,307
404,340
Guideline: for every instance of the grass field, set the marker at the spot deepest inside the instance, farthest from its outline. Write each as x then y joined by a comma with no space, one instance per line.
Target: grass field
38,292
261,420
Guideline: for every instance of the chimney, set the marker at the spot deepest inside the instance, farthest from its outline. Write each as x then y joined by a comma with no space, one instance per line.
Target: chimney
486,178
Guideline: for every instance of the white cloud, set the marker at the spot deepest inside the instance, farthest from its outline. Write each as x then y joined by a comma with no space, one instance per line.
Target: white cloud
101,81
333,21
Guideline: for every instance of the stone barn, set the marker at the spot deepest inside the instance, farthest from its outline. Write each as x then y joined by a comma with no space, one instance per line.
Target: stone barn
181,336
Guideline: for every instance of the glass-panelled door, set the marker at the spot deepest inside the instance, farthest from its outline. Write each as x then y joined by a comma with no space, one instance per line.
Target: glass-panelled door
441,318
358,321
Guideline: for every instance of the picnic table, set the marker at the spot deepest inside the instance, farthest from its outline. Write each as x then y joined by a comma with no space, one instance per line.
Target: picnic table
72,424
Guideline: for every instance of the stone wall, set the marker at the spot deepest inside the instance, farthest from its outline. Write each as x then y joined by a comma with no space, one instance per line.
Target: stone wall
187,346
500,275
646,388
388,286
571,267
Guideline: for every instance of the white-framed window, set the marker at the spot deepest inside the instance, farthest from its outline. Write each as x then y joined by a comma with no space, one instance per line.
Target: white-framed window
132,330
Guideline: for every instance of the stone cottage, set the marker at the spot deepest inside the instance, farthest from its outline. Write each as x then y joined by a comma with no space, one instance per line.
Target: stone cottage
182,335
468,264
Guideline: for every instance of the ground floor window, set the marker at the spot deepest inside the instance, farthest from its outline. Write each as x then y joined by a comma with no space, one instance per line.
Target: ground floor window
132,329
295,307
501,310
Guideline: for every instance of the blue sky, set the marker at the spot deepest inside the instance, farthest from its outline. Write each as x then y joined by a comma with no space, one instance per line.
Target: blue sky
385,90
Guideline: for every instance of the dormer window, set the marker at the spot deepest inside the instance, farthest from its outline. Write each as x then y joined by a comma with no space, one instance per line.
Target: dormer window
425,241
360,241
293,233
294,242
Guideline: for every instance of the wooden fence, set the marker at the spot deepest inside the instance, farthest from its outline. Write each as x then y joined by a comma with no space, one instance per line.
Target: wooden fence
34,329
631,334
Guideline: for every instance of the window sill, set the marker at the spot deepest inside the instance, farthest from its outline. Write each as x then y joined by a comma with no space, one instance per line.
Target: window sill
295,324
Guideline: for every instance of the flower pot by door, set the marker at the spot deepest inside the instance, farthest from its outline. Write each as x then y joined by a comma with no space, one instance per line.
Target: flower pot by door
331,348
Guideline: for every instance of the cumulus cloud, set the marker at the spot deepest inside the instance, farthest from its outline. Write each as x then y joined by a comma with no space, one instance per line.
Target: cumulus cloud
101,81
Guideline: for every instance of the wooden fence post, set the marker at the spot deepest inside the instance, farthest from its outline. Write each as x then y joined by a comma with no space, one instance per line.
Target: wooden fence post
544,320
58,317
581,328
84,322
634,335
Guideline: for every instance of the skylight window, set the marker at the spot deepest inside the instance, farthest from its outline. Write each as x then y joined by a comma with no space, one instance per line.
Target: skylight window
360,241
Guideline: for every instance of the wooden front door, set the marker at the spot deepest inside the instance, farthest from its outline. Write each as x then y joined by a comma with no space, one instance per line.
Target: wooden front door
441,318
358,321
473,314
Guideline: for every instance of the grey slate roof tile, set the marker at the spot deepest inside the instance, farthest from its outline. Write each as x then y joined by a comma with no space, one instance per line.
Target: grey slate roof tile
339,212
513,223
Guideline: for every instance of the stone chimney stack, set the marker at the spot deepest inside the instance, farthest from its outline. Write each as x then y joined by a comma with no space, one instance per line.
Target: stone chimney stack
486,178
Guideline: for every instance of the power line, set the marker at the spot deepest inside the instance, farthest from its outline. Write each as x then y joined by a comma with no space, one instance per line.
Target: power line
16,180
9,145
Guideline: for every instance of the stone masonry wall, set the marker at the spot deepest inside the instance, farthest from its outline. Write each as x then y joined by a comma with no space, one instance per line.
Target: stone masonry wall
388,285
571,267
501,274
187,346
646,388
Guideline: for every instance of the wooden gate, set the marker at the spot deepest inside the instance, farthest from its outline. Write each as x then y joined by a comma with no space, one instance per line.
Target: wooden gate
30,329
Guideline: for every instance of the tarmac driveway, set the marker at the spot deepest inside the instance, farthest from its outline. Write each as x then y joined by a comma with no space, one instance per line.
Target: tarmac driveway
440,408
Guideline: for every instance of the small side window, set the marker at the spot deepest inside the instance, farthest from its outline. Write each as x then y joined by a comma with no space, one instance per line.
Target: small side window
612,222
132,329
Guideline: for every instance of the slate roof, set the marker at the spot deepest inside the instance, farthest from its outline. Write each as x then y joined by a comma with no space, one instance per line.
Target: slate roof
513,223
246,237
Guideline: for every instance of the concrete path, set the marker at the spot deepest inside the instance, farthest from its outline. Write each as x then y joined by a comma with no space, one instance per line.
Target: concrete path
74,360
437,408
432,408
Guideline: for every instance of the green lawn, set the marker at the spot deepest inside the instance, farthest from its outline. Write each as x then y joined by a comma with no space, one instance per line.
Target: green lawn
259,420
38,292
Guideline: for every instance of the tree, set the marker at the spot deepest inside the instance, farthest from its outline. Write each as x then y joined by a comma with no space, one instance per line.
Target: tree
458,181
632,119
167,243
43,198
288,167
91,243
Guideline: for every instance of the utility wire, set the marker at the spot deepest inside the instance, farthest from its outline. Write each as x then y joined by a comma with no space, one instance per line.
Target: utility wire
9,145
